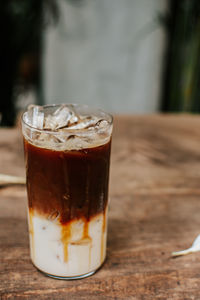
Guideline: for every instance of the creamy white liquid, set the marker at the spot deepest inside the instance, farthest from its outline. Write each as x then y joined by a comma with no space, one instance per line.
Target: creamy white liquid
73,254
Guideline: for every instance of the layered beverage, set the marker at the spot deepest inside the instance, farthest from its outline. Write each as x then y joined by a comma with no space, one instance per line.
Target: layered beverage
67,154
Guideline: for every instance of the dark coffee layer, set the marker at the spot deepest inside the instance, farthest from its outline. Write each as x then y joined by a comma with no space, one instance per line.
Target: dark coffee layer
67,184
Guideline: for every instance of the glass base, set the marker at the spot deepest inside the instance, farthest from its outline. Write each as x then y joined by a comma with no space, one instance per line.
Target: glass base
69,278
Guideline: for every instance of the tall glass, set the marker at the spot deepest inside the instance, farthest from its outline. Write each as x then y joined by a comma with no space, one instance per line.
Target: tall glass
67,169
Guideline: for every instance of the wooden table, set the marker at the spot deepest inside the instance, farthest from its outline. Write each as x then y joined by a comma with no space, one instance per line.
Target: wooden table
154,210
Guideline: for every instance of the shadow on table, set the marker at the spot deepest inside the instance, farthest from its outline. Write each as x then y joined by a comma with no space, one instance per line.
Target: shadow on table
120,235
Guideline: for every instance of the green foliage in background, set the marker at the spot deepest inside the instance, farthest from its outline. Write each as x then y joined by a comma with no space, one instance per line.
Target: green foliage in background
183,82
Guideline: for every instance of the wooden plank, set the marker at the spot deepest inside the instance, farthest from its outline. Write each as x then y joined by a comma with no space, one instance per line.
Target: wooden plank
154,210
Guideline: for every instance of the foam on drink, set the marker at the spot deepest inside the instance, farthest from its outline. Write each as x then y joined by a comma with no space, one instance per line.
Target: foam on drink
67,158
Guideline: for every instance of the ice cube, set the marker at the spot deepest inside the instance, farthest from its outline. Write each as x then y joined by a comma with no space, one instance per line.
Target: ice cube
60,118
85,123
40,120
101,124
35,110
76,142
35,117
45,137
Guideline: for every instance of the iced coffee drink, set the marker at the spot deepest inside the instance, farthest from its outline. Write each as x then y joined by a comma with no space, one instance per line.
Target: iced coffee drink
67,155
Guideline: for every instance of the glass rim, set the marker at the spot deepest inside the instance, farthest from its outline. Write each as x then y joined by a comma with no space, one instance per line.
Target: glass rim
58,131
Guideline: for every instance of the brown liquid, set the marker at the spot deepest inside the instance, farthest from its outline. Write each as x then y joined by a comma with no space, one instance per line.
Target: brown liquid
67,185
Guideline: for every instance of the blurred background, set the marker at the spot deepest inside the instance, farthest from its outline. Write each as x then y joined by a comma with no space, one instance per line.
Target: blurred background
124,56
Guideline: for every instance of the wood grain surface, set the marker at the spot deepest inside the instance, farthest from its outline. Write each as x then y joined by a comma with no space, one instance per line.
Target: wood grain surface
154,210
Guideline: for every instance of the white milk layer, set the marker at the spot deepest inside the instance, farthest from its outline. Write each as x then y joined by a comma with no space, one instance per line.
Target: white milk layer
65,250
